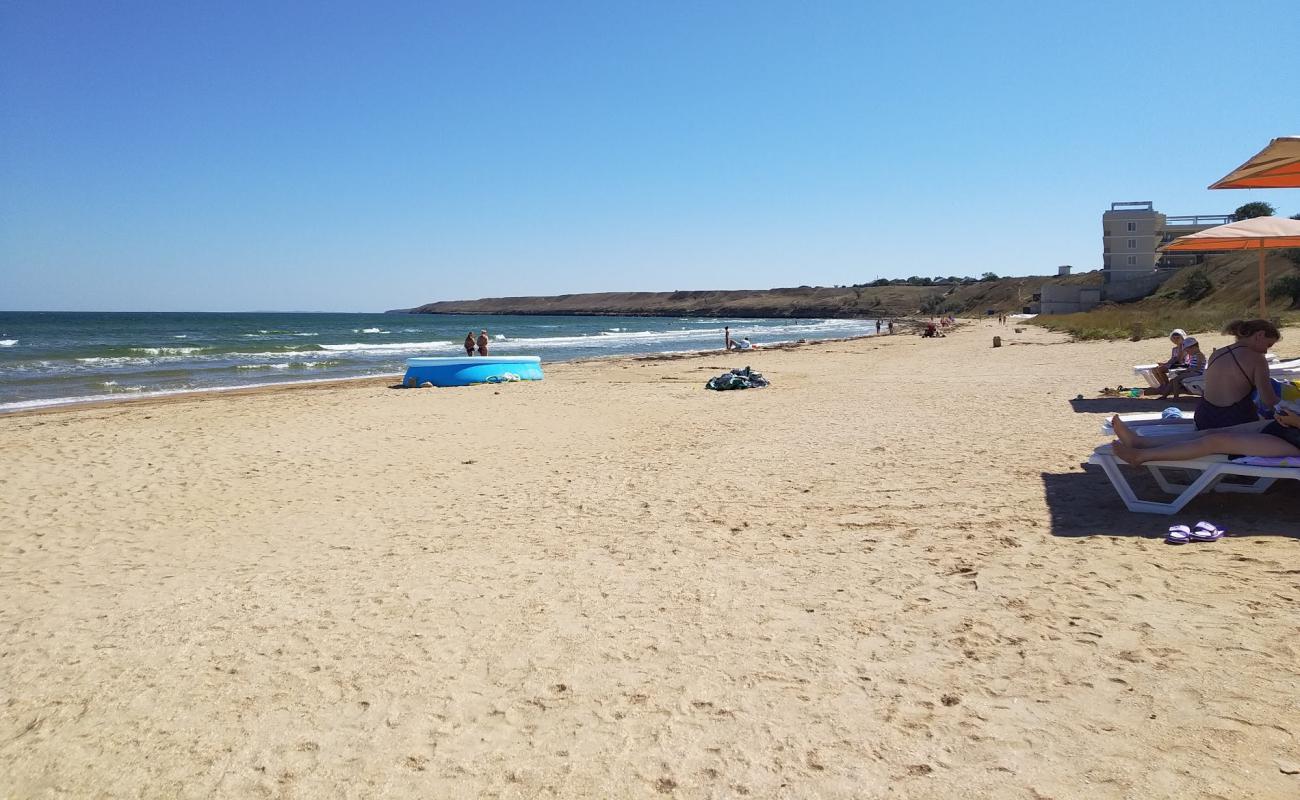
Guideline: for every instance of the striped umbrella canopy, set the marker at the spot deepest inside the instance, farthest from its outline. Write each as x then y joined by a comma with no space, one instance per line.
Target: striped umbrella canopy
1259,233
1275,167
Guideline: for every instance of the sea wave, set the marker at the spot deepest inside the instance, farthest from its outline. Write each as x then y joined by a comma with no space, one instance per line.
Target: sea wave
290,365
8,342
167,351
25,405
390,347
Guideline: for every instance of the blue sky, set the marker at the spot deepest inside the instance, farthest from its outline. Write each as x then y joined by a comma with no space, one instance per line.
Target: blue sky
350,156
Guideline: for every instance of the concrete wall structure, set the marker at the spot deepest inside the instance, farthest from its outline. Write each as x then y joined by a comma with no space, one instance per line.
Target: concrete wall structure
1061,299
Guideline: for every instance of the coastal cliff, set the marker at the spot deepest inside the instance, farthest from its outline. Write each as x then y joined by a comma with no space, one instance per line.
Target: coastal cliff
895,300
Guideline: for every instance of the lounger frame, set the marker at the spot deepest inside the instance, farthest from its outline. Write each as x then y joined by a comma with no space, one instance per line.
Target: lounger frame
1212,469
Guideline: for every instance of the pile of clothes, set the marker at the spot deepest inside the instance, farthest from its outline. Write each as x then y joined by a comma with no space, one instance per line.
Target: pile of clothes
737,379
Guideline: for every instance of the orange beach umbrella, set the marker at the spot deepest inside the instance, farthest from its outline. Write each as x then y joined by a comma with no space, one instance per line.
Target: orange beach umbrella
1275,167
1260,233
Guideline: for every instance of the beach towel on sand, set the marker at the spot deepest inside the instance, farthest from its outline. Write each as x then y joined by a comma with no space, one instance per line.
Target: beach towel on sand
737,379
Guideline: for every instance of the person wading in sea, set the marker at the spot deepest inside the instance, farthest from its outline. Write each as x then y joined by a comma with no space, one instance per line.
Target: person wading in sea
482,342
469,343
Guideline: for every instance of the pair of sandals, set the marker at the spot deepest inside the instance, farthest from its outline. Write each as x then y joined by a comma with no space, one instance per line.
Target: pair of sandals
1202,532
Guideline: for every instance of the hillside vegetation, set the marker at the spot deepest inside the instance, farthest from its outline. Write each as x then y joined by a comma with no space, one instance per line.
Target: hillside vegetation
898,299
1197,299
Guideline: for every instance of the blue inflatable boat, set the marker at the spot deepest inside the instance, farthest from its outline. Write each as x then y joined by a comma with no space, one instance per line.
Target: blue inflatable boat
464,371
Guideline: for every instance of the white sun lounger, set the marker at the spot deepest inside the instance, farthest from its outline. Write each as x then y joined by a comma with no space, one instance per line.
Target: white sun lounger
1151,424
1279,370
1213,469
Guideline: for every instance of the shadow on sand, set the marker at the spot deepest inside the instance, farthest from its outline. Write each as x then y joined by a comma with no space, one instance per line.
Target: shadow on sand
1128,405
1085,504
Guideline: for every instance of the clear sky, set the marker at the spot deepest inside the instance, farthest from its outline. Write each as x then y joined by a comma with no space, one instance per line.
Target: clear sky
365,156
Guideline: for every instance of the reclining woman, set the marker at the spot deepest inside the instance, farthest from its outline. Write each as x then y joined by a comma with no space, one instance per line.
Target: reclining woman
1234,373
1275,439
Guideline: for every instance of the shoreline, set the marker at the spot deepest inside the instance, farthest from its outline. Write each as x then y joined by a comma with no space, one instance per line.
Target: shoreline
327,383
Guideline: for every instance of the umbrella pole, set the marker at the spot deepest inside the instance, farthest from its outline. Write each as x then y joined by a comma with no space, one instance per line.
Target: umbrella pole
1263,314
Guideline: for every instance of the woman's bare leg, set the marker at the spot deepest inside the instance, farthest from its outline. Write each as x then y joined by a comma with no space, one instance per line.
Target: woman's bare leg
1130,437
1210,443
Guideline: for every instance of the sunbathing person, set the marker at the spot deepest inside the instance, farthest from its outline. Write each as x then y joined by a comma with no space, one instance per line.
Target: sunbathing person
1278,438
1234,373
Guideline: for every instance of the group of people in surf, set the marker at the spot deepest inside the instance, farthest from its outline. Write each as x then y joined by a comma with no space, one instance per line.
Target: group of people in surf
480,344
1237,387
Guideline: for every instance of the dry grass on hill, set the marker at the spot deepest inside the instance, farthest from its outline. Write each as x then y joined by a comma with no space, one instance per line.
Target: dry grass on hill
1234,294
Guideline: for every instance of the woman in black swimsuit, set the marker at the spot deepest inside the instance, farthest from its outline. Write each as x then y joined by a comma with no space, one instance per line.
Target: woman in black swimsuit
1254,338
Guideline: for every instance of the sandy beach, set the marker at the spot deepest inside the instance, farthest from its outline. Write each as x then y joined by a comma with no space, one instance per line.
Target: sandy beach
888,575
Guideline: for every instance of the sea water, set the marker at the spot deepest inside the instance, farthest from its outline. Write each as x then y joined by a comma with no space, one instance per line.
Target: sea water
52,358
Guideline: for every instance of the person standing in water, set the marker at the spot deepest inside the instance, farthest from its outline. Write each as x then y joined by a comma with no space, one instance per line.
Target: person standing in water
469,343
482,342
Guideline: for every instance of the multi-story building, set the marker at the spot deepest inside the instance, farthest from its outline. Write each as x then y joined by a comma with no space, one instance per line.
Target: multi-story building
1131,232
1132,267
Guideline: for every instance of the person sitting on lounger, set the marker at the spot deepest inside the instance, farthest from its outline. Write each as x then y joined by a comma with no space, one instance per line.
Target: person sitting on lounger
1276,439
742,344
1161,372
1233,375
1192,366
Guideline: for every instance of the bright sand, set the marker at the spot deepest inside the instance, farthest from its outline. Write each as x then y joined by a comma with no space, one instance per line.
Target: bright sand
886,576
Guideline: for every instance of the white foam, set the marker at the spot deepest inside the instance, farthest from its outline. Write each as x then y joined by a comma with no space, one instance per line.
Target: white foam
115,360
368,330
27,405
391,347
167,351
8,342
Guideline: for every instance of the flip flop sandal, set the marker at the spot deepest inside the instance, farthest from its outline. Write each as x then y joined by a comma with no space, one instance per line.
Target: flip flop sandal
1178,534
1206,532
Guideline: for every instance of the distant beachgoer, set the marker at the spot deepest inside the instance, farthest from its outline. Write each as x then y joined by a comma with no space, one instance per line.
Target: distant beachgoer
469,343
483,342
1238,371
877,326
741,344
726,337
891,327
